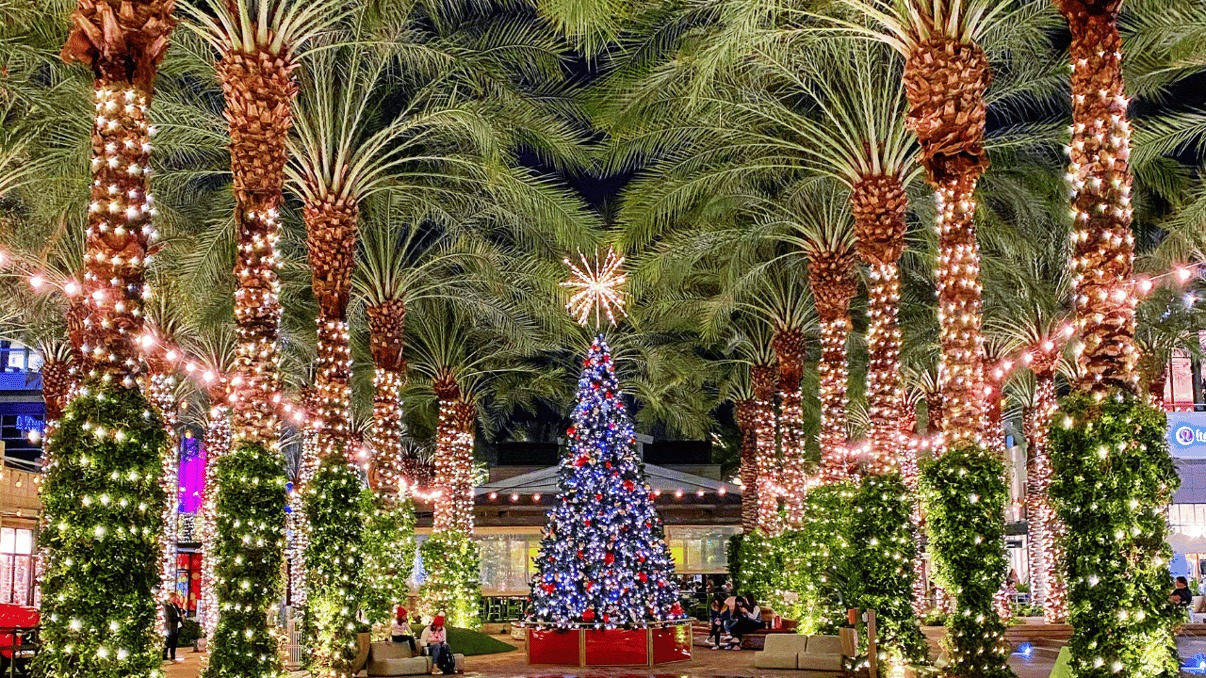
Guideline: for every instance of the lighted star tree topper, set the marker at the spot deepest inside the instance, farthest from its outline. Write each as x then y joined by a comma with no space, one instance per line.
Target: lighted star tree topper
597,286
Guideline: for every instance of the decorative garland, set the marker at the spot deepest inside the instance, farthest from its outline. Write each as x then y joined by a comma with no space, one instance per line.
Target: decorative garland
336,503
248,549
882,566
1113,478
389,549
102,501
453,585
964,494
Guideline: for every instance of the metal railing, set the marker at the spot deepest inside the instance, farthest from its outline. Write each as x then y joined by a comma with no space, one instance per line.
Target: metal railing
18,649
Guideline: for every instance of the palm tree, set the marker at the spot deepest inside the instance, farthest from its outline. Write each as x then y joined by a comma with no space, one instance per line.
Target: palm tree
257,41
823,229
123,50
1104,246
946,74
214,350
753,392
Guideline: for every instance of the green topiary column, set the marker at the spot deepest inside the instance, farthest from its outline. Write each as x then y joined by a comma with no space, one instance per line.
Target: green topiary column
964,493
453,584
884,547
249,543
335,565
103,517
1112,480
389,547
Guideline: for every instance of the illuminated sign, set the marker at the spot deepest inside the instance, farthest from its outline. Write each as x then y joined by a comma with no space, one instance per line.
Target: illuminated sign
1187,434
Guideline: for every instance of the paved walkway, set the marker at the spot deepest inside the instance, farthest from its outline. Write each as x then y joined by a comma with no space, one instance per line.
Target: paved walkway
705,663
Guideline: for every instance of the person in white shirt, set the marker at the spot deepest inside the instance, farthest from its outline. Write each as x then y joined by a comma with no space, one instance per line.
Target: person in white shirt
434,642
401,633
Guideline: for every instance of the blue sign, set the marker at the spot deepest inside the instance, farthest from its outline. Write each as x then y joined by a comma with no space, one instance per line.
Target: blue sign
1187,434
28,423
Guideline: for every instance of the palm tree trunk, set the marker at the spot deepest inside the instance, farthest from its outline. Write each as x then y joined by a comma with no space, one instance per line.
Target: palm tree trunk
1047,587
386,340
831,277
57,383
788,345
747,422
959,313
763,378
217,445
1103,246
945,81
879,204
453,510
159,384
259,90
331,240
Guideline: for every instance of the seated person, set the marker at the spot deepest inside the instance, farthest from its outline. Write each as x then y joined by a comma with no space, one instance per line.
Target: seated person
1181,595
401,630
717,618
749,618
434,642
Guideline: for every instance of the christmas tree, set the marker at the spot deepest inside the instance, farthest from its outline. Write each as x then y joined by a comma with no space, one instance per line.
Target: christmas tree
603,559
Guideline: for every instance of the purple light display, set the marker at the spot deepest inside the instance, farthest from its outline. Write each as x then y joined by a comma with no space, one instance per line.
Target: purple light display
192,473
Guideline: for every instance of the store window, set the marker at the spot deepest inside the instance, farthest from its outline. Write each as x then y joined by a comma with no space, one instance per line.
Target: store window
507,561
16,566
700,549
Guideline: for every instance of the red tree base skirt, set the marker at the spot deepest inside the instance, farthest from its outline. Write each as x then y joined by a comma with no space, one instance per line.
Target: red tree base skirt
662,644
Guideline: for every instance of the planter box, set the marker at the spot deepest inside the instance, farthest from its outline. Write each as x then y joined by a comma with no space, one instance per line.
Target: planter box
661,644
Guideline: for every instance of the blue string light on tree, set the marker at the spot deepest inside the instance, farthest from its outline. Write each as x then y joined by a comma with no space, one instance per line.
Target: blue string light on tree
603,560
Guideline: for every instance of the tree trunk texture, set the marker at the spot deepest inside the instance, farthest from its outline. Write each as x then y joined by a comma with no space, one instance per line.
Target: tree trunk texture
331,230
259,90
945,81
159,385
763,378
217,445
123,43
1103,247
959,299
747,422
788,345
1047,584
879,204
453,483
386,341
831,277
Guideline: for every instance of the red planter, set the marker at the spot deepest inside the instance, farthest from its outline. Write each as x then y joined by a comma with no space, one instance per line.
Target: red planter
662,644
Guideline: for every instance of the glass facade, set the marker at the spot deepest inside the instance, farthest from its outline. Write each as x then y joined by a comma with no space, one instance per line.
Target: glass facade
507,557
17,566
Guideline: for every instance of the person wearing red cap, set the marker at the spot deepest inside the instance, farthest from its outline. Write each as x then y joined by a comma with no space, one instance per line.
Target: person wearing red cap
435,642
401,630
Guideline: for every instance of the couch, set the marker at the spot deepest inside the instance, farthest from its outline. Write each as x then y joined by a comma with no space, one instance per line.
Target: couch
816,656
394,659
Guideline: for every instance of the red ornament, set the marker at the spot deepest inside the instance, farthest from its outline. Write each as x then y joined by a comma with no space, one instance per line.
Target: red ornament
609,558
579,555
598,496
548,588
606,618
644,577
583,460
586,522
629,485
608,464
572,430
588,615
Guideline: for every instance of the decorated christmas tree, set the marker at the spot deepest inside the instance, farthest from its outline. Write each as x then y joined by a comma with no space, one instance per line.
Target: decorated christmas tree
603,559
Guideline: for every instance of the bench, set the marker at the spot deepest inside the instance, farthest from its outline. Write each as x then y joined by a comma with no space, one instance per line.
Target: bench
383,660
815,656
